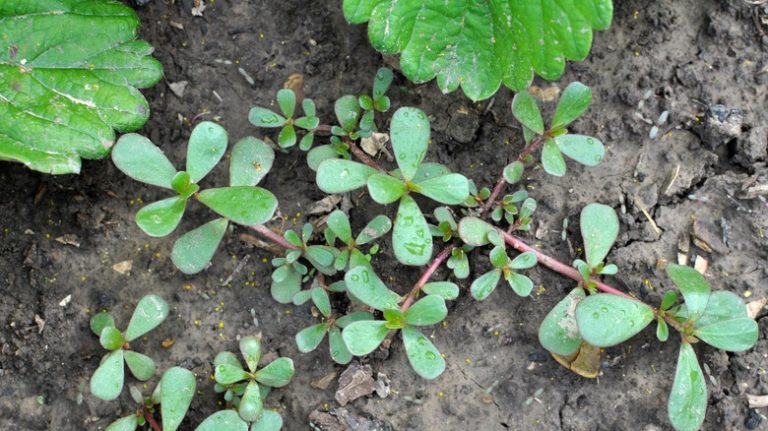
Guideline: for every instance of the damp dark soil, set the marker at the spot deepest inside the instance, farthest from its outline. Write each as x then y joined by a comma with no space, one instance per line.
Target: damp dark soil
61,236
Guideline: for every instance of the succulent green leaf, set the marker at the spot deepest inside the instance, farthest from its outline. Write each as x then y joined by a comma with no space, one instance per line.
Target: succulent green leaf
498,256
286,99
735,335
425,359
70,72
449,189
251,407
251,160
552,159
395,318
269,421
284,289
287,136
445,289
322,301
513,172
484,285
662,330
722,305
277,374
140,159
227,373
366,286
693,286
128,423
193,250
347,111
100,321
320,154
357,316
687,403
242,204
375,229
160,218
310,337
206,147
480,45
177,388
364,336
409,132
150,312
411,239
226,358
381,82
606,320
599,229
340,176
339,224
521,284
427,311
306,143
107,380
262,117
142,366
181,182
670,298
320,254
250,348
111,338
474,231
524,260
385,189
559,332
223,420
573,102
526,111
584,149
339,352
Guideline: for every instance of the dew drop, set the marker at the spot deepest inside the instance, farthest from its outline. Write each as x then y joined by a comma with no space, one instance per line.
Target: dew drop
430,355
156,219
604,309
422,341
596,315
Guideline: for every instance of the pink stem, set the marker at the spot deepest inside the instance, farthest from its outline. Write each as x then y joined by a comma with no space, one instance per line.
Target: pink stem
272,236
557,266
439,259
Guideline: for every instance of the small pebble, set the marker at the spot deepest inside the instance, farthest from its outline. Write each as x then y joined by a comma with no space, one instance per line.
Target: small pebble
753,420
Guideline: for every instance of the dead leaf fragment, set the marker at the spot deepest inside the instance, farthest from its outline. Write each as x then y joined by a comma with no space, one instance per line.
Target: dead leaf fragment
64,302
168,342
69,239
40,324
295,82
323,382
548,94
585,362
123,267
324,205
757,401
355,382
178,88
199,8
754,307
374,143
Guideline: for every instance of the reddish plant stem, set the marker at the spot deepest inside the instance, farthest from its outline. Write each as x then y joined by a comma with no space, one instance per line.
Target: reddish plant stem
354,149
426,275
557,266
151,420
272,236
501,182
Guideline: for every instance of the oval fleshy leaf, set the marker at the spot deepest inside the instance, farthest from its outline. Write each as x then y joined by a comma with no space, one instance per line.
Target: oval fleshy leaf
427,311
150,312
250,348
484,285
251,404
100,321
411,239
251,160
277,374
193,250
552,159
584,149
142,366
513,172
128,423
177,388
363,283
322,301
347,111
287,136
223,420
269,421
693,286
524,260
160,218
284,290
140,159
606,320
364,336
575,99
340,176
310,337
111,338
409,132
339,352
262,117
385,189
526,111
339,224
206,147
286,99
599,229
722,305
227,373
425,359
320,154
735,335
445,289
474,231
559,331
450,189
521,284
375,229
107,380
687,404
242,205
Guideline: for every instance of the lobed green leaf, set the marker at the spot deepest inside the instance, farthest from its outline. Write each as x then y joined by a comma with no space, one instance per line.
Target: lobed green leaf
366,286
160,218
340,176
223,420
177,388
251,160
693,286
193,250
138,158
584,149
364,336
559,331
606,320
277,374
687,404
427,311
573,102
206,147
599,229
150,312
425,359
409,132
107,380
242,204
411,240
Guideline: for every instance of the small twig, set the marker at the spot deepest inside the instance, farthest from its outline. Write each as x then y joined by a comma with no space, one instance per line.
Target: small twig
426,275
501,182
354,149
151,420
272,236
757,401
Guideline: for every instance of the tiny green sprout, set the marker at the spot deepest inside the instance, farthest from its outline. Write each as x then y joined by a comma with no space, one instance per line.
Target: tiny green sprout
364,336
599,229
485,284
173,393
286,100
377,102
339,230
410,131
242,202
310,337
556,141
246,390
107,380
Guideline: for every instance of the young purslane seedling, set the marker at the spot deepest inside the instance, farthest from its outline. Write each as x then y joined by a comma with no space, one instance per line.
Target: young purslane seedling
174,394
107,380
245,390
242,202
286,100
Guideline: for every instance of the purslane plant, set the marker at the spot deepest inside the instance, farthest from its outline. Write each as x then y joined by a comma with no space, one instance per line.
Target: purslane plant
570,331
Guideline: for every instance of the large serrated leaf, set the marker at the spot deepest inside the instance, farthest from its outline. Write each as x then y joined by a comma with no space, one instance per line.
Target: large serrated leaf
480,45
69,73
